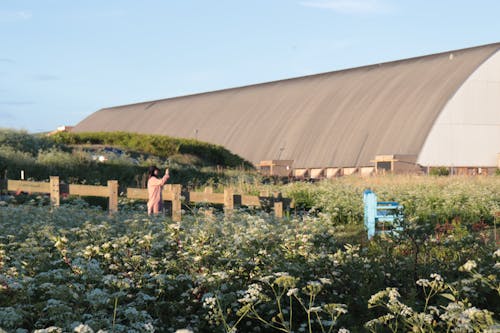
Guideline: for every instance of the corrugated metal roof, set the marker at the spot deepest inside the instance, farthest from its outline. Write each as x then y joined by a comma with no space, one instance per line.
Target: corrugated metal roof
341,118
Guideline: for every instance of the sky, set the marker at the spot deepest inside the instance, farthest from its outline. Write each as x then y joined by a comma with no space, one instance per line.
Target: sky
60,61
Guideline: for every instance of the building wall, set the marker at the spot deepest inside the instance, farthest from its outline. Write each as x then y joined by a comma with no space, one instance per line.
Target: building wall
338,119
467,132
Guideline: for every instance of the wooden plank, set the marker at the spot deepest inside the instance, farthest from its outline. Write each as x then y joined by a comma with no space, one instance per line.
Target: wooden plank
176,203
55,196
228,200
142,193
113,196
278,210
137,193
250,200
217,198
167,194
26,186
88,190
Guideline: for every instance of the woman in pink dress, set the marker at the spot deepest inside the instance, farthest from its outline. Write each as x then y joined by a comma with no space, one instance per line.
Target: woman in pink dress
155,186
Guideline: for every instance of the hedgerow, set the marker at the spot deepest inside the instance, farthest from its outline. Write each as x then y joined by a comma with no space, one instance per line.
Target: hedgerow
158,145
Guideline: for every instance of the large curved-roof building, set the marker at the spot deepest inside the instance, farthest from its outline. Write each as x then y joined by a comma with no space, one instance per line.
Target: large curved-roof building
442,109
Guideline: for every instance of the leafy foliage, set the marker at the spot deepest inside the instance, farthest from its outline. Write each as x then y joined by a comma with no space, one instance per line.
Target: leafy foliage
21,141
158,145
76,265
40,157
425,199
439,171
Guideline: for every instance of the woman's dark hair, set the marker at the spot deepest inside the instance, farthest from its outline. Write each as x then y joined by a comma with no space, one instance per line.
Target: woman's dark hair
151,171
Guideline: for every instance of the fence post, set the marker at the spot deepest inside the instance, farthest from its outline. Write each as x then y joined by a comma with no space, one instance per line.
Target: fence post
278,209
55,196
278,205
176,203
113,196
228,201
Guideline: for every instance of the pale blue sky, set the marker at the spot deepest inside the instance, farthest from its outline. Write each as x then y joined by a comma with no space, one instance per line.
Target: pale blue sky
60,60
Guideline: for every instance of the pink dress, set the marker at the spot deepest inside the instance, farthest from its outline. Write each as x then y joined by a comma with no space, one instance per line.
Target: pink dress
155,202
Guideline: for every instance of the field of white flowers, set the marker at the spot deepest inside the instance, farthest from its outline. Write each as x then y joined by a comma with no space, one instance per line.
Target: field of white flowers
76,268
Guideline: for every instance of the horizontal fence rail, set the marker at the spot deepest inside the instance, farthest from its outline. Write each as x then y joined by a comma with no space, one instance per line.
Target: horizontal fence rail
171,193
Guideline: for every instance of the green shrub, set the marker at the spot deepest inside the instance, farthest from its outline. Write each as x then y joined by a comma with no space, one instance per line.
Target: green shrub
439,171
158,145
23,142
13,161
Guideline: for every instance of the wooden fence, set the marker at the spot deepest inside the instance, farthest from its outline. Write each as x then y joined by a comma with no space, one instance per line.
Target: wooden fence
171,193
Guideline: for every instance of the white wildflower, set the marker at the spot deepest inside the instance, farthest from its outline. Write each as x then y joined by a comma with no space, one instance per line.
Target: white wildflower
405,310
325,281
293,292
436,277
434,310
209,302
266,279
315,309
51,329
423,282
425,318
374,299
221,275
82,328
252,294
468,266
393,294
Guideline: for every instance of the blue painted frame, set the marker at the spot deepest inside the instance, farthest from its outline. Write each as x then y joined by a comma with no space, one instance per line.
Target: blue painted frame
385,212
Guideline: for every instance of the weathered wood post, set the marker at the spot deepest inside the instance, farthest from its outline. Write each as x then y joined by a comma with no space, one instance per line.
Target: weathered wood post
228,201
55,196
176,203
113,196
278,205
278,209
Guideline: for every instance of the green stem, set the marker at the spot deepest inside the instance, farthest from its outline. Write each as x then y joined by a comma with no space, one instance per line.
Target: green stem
309,313
114,314
256,316
320,323
219,308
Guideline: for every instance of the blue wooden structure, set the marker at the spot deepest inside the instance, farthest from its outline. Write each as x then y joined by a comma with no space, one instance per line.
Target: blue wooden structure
381,216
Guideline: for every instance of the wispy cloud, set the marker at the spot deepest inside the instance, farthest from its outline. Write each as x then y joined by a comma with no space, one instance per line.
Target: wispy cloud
14,16
349,6
46,77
